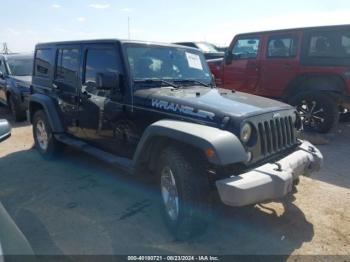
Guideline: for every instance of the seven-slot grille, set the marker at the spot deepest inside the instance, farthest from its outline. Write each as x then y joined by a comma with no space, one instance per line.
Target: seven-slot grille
276,135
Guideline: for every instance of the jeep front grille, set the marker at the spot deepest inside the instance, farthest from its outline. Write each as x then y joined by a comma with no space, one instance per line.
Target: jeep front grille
276,135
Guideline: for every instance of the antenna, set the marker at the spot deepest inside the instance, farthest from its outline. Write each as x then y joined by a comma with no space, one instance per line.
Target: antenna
129,27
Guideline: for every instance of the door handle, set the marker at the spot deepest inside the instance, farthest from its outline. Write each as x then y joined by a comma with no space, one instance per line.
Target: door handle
253,65
54,86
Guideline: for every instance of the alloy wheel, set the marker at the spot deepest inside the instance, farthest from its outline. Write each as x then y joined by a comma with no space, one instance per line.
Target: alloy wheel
311,113
41,135
170,194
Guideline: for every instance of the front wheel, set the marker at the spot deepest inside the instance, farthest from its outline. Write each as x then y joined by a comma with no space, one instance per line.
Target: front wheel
45,141
318,111
184,190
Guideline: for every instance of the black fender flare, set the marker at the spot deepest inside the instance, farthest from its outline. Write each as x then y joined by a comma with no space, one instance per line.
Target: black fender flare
314,82
50,109
227,147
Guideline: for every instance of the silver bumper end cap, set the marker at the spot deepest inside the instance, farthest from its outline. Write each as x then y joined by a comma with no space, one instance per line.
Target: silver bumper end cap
270,181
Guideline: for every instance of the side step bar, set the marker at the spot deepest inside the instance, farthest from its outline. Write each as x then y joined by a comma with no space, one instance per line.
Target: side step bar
123,163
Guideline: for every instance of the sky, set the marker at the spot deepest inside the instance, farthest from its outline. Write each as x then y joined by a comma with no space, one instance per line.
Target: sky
25,23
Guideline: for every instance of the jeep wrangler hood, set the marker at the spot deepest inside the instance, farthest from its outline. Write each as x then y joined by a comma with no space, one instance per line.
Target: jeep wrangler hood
220,102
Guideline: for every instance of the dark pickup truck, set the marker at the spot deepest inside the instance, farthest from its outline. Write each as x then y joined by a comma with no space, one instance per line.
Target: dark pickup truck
154,110
15,79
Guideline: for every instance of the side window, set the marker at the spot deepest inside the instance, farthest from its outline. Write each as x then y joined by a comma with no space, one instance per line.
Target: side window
246,48
331,44
100,61
67,65
282,46
320,46
345,43
43,65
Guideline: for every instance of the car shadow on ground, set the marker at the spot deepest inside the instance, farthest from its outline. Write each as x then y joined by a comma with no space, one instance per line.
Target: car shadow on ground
78,205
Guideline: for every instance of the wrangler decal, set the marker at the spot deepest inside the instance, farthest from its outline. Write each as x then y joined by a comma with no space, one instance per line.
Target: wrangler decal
164,105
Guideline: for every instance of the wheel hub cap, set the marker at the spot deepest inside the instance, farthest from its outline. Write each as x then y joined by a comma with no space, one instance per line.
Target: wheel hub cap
311,113
169,193
41,134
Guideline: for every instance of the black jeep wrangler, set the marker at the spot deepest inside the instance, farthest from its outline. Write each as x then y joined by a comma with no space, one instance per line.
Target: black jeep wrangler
153,109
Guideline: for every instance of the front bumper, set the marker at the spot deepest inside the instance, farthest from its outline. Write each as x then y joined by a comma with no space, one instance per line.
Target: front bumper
270,181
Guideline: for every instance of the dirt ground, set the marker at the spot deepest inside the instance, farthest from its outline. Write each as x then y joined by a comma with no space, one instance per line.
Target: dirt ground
78,205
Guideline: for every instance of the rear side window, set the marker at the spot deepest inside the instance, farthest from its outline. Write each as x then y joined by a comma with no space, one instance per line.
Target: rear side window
280,47
67,65
43,62
331,44
246,48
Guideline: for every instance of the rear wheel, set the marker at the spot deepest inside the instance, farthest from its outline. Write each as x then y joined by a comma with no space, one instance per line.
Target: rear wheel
45,141
184,190
318,111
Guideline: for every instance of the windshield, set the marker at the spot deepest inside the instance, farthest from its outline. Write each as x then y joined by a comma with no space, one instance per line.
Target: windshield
207,48
167,63
20,66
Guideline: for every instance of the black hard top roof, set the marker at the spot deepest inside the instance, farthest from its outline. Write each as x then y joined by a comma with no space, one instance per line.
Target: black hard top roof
106,41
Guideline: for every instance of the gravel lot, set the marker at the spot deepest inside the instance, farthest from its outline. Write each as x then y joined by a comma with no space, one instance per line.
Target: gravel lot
78,205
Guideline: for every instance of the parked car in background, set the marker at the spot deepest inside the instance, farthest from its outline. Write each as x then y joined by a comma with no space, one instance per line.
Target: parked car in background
308,68
5,130
153,110
209,50
221,48
15,79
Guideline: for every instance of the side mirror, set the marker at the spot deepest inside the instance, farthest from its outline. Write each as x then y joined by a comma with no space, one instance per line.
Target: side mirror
108,81
236,56
2,76
5,130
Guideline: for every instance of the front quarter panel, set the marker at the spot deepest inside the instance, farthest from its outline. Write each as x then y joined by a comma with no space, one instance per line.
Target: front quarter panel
228,148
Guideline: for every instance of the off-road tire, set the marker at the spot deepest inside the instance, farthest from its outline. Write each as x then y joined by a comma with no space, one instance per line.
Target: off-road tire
17,114
326,102
193,190
53,146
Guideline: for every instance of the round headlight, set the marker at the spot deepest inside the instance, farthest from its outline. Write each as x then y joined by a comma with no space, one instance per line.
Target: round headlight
246,132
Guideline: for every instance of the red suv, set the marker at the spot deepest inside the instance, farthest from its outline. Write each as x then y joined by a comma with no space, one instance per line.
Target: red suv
308,68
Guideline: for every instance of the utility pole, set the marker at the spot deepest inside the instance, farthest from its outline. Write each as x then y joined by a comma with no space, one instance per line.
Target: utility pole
5,49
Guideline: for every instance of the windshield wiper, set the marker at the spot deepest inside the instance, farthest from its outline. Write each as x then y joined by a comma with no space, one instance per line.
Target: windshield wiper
153,81
192,81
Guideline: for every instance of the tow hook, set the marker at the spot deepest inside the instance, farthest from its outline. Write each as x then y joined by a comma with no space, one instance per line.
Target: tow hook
312,149
279,167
